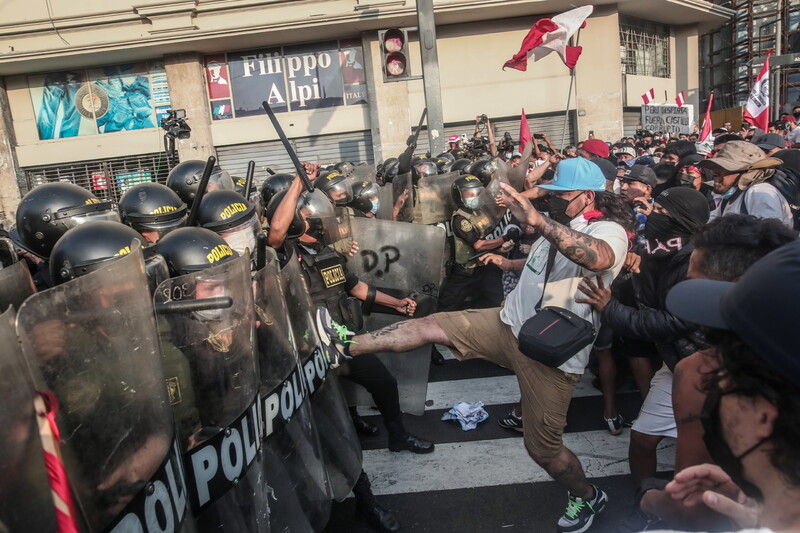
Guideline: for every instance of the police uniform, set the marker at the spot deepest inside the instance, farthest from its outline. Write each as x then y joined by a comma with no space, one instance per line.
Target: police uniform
469,276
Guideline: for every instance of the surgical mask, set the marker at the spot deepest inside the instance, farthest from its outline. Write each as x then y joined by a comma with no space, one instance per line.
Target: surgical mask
472,203
209,314
376,204
718,448
241,240
730,192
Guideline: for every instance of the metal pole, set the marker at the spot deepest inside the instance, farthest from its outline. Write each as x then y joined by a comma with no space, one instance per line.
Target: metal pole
430,75
569,96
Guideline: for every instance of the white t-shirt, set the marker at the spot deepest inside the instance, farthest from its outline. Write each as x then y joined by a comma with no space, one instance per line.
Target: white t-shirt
794,136
562,288
762,200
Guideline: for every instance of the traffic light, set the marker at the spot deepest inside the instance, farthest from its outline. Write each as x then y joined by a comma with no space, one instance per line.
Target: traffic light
394,50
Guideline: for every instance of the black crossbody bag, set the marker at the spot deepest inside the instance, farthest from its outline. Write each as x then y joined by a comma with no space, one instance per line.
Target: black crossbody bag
553,335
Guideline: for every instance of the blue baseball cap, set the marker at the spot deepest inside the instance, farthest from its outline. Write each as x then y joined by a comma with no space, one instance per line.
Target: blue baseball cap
577,174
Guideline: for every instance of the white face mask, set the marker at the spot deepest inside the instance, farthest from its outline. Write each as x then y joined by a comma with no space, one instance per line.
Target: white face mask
472,203
208,315
240,240
376,204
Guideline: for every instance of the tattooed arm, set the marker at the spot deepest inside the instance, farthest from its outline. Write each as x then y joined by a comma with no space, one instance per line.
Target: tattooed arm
593,254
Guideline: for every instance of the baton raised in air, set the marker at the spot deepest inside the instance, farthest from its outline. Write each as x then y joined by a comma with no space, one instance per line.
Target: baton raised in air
419,127
248,180
201,190
293,156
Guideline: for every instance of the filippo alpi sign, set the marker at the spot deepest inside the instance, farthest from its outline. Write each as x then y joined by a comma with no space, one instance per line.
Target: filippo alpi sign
290,78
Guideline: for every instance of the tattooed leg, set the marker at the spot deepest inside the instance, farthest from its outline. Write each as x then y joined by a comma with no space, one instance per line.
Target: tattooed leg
400,337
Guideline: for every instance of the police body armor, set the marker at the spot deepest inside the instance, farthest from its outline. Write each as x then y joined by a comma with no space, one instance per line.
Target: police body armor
463,251
93,344
294,466
221,457
403,260
26,501
326,280
340,443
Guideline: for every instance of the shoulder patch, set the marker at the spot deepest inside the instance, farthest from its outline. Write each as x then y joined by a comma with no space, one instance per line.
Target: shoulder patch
465,225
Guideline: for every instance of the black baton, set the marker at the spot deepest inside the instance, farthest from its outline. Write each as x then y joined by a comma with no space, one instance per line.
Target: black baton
293,156
201,190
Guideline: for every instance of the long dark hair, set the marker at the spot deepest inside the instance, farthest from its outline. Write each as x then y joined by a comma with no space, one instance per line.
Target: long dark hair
615,210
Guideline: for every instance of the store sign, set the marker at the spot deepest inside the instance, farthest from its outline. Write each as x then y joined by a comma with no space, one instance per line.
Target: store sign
290,78
668,118
99,100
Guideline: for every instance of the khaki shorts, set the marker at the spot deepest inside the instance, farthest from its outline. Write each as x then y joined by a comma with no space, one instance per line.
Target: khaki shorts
546,392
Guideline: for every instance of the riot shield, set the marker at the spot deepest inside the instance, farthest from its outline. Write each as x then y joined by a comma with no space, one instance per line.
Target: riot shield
490,214
293,459
434,202
386,196
402,185
222,455
26,503
93,343
363,173
16,285
402,260
340,444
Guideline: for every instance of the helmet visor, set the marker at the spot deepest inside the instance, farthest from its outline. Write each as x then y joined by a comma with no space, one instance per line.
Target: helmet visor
75,216
316,210
243,236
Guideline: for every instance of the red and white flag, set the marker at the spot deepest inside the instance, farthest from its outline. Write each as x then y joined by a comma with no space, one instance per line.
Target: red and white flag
552,35
705,132
524,131
756,111
649,97
680,99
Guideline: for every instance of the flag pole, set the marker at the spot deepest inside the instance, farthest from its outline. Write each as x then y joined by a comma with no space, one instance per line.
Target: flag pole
569,98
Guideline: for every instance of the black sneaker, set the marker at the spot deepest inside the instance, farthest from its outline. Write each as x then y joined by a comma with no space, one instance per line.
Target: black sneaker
615,424
512,421
579,515
334,336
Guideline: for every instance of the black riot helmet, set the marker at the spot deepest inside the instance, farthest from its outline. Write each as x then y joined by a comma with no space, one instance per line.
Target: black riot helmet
273,185
391,167
230,216
446,155
317,211
345,168
465,190
184,179
460,165
444,165
336,186
153,210
188,250
422,169
366,197
297,227
239,185
49,210
90,246
484,170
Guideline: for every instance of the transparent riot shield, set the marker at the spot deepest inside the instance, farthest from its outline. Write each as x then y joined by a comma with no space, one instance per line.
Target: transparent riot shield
211,321
386,196
341,238
93,343
402,186
26,503
404,260
16,285
340,444
363,173
434,202
488,212
294,465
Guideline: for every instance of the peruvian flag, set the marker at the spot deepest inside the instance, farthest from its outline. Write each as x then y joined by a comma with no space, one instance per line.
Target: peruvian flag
524,131
705,132
756,111
680,99
552,35
649,97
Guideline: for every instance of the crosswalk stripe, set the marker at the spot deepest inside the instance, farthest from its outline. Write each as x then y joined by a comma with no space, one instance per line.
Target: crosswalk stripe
497,462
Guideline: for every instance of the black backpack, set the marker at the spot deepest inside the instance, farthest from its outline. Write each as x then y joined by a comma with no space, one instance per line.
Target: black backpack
787,182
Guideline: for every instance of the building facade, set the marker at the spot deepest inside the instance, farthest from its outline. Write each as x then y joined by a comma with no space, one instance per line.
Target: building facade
85,84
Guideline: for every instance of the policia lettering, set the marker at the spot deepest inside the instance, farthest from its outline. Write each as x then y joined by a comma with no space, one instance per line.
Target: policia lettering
160,507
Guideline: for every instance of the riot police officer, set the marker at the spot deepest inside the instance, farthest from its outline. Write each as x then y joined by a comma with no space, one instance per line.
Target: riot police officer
330,283
366,199
233,218
469,278
184,179
153,210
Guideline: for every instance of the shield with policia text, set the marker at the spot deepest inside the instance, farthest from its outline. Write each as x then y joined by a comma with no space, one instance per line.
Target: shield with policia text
293,461
92,343
26,501
340,444
211,319
403,260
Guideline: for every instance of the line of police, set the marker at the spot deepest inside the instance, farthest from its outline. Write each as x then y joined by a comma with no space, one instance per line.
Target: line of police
252,431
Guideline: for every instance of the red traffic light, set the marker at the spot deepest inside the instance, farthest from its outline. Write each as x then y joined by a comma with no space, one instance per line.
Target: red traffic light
393,40
395,64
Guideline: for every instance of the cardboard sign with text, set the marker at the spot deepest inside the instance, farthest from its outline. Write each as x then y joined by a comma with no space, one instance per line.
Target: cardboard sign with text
668,118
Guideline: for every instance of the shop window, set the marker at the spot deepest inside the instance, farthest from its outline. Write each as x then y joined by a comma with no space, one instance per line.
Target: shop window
644,47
